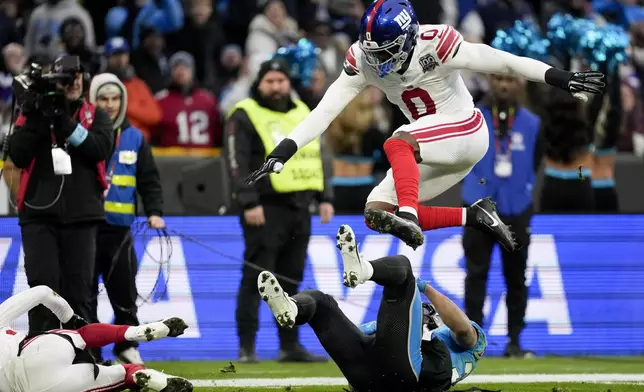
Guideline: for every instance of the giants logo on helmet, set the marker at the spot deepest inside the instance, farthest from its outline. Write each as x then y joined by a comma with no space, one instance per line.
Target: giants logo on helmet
403,19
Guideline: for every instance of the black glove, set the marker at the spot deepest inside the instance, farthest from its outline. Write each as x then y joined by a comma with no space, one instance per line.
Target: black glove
588,82
75,322
272,165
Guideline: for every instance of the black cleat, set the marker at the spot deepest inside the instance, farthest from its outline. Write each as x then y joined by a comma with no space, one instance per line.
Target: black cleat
405,229
488,220
513,350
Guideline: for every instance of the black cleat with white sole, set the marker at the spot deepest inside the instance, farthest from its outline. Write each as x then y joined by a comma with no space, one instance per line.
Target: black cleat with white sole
403,226
176,326
488,220
155,381
282,306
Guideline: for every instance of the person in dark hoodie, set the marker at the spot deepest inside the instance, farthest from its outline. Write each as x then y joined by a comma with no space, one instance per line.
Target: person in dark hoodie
149,62
130,169
72,35
133,16
202,37
60,197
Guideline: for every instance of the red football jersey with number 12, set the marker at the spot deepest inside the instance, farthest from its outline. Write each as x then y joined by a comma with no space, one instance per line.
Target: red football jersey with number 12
187,121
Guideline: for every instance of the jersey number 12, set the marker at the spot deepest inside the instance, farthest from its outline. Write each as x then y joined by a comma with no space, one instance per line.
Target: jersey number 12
411,97
193,127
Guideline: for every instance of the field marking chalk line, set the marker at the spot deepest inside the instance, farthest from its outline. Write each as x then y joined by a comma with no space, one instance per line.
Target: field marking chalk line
473,379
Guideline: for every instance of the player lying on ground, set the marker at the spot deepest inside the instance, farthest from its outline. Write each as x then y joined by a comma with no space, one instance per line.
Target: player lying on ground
417,67
57,360
403,351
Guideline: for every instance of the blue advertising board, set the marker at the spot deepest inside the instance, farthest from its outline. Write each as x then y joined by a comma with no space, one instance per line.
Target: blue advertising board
585,279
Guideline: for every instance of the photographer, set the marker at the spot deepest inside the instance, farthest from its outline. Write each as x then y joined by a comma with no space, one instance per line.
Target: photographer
61,143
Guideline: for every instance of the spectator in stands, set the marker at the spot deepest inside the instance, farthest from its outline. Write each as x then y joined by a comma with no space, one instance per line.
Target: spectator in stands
232,65
149,61
128,21
236,20
436,12
189,114
332,50
9,31
481,24
267,32
202,37
72,35
353,154
13,62
237,88
43,31
632,136
568,157
143,112
506,173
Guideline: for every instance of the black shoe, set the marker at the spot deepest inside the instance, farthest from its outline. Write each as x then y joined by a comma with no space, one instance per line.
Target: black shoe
300,354
513,350
403,226
488,220
247,356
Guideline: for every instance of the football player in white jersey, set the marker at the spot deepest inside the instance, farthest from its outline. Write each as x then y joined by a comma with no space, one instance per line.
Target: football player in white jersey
57,360
417,67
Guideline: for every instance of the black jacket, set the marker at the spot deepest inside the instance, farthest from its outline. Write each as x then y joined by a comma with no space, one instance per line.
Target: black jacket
81,199
148,181
246,153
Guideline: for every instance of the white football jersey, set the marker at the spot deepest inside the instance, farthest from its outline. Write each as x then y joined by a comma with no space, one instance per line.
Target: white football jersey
426,87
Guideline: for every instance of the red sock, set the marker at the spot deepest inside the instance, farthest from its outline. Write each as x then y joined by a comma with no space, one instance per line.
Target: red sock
130,369
99,335
405,170
437,217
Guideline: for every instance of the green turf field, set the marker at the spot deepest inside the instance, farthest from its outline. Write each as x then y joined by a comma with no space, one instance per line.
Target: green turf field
584,374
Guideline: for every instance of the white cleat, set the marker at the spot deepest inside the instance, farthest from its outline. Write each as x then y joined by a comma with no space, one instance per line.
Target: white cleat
170,327
282,306
130,355
153,380
346,242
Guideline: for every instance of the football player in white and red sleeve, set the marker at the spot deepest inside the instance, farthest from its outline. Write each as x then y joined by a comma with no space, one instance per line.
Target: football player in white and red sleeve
417,67
190,117
57,360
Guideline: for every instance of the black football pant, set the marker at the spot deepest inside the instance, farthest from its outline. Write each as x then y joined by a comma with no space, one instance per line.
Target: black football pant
116,263
390,359
560,195
280,246
60,257
478,248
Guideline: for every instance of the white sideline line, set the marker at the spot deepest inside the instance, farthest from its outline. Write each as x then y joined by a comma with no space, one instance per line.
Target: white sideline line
474,379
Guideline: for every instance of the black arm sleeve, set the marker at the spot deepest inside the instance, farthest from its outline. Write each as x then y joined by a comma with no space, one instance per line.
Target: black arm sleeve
148,181
24,142
326,196
240,138
97,145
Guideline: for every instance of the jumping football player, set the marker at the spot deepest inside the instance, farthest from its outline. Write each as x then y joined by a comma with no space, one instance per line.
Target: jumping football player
417,67
57,360
403,350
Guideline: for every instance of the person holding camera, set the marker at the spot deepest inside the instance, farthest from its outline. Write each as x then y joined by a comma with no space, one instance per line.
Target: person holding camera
60,142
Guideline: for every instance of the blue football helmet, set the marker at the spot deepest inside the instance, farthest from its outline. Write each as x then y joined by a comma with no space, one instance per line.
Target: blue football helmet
388,34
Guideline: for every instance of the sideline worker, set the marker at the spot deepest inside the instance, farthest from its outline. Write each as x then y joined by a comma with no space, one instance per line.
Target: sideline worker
507,174
276,219
131,168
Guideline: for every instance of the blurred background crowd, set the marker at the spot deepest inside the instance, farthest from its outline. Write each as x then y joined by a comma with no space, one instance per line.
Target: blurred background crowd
222,43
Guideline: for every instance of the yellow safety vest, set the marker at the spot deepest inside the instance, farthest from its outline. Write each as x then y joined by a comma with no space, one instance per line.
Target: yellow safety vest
304,171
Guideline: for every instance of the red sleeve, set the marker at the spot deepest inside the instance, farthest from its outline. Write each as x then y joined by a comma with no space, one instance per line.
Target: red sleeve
350,63
447,44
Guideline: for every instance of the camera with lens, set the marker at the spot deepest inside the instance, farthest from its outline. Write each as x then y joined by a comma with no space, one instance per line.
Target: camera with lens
37,89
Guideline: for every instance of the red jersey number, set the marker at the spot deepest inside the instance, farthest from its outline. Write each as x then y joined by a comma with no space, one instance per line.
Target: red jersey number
431,34
418,95
193,128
